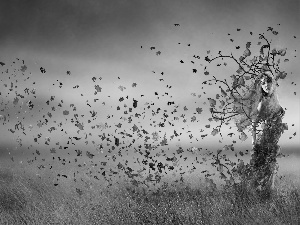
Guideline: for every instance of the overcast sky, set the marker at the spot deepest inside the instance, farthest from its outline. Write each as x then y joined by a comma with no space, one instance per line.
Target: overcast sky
112,40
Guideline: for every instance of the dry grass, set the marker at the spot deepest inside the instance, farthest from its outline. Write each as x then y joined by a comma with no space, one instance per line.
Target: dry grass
27,199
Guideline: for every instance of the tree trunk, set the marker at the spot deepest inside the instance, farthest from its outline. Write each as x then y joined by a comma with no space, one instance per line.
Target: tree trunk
263,161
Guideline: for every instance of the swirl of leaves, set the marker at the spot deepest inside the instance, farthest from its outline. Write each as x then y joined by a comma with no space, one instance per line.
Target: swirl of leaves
258,65
232,173
238,101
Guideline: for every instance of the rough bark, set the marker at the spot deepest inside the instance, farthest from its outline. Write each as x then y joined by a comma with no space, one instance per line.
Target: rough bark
263,163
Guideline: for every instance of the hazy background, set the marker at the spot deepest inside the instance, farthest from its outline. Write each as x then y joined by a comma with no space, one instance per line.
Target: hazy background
111,40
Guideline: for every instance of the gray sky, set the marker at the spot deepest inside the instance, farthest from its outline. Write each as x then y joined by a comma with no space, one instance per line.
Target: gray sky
104,38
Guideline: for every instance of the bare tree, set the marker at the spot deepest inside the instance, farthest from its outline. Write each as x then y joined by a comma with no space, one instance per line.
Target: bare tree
251,100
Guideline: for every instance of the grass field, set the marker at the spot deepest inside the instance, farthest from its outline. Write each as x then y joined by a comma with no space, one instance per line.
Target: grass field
28,199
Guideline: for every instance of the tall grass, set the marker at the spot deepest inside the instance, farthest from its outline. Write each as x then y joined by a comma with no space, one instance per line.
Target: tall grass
28,199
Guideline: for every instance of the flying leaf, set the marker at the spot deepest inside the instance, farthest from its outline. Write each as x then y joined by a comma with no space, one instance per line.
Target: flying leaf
282,52
42,70
121,87
214,132
243,136
212,102
98,88
285,126
180,150
23,68
199,110
193,119
228,147
16,100
247,53
281,75
90,155
207,59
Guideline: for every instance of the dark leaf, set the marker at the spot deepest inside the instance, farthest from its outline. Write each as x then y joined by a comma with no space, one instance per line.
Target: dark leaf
212,102
243,136
214,132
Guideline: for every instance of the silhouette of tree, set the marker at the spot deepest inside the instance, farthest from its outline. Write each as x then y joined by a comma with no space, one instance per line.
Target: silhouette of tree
250,100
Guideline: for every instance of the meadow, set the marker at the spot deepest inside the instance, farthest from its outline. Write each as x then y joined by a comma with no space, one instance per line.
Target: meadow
26,198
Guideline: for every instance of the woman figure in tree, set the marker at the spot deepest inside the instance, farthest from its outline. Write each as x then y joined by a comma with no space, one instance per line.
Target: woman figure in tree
261,106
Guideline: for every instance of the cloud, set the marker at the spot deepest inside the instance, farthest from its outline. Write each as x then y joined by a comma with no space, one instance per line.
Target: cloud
70,25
